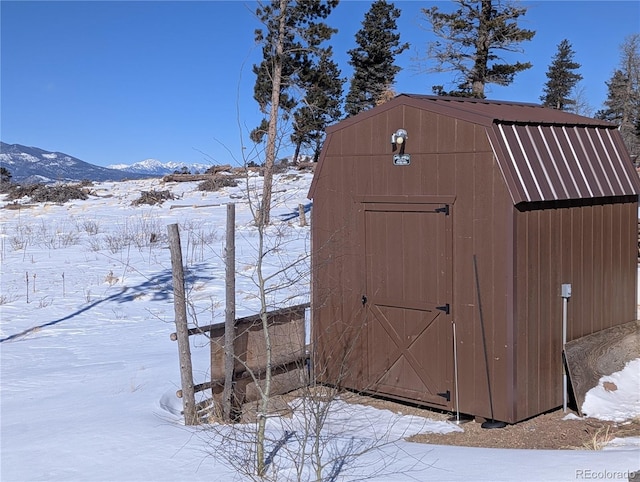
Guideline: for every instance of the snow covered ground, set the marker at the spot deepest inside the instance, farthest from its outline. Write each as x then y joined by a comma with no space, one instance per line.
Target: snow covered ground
89,373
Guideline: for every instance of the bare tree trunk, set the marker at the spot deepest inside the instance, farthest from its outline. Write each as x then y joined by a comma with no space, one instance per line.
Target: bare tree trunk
263,220
296,154
230,314
479,72
272,130
182,330
266,390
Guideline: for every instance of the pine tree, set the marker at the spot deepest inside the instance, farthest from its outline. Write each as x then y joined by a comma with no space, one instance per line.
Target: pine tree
470,38
622,106
320,106
292,36
373,65
5,179
5,175
561,78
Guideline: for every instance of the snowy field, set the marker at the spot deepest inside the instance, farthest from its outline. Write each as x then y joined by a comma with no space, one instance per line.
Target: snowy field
89,373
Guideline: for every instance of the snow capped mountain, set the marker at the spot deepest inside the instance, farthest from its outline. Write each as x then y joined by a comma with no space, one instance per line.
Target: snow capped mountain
34,165
154,167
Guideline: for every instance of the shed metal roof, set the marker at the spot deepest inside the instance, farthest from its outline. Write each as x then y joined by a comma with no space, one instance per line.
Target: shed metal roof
558,162
544,154
489,111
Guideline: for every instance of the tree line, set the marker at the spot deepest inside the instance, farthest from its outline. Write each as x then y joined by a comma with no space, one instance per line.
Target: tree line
299,85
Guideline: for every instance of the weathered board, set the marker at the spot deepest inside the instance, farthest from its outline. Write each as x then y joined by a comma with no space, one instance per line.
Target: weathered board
288,354
600,354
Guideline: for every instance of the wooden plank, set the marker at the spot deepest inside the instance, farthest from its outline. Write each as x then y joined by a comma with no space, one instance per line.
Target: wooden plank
600,354
291,363
275,316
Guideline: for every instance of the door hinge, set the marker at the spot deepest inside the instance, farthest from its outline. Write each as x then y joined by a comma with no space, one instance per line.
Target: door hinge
444,209
444,308
446,395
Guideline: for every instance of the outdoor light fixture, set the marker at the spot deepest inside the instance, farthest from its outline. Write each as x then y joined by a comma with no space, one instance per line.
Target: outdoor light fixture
398,141
399,137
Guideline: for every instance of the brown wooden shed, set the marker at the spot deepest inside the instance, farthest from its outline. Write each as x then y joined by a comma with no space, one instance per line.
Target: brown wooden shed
466,228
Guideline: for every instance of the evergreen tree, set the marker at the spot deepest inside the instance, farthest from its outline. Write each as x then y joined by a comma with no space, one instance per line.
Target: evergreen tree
561,78
470,37
616,98
290,41
374,71
320,107
622,106
5,175
5,179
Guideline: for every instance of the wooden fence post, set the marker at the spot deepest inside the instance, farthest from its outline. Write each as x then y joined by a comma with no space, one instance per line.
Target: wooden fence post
230,314
303,217
182,330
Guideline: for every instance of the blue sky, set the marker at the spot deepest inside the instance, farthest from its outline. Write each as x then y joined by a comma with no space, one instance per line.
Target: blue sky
120,81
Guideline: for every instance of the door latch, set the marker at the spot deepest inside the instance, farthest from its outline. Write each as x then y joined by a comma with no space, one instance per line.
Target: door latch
444,209
364,300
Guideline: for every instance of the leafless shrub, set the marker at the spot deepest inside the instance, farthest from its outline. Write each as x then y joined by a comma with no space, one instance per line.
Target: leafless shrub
17,243
62,240
6,299
146,230
117,242
94,243
54,237
89,226
140,232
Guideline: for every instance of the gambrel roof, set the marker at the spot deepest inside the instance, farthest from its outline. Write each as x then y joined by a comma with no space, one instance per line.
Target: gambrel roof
544,154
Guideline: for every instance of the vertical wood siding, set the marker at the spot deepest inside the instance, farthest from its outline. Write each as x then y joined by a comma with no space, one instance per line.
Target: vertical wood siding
592,247
523,254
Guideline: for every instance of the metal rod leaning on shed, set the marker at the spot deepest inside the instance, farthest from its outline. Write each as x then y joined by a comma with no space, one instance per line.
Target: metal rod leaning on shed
455,370
566,294
489,423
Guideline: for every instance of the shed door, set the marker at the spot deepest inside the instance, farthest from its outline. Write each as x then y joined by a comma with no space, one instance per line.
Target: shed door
408,279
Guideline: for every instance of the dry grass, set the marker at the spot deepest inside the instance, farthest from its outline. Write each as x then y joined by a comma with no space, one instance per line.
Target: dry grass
601,437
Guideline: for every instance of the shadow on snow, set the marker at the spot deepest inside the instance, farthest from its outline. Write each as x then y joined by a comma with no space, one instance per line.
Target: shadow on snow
159,287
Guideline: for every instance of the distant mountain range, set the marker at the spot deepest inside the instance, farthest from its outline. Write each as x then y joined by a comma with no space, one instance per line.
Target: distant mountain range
31,165
153,167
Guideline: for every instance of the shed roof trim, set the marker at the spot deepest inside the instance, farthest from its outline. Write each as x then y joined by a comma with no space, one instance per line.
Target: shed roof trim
501,111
